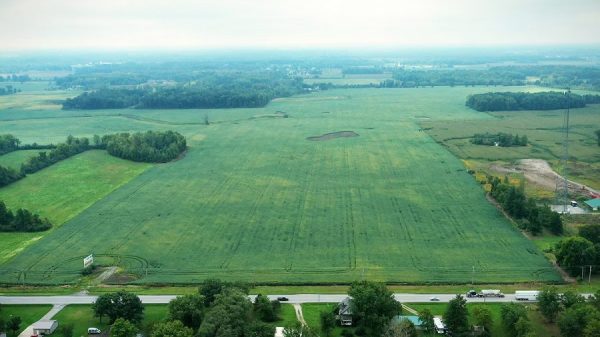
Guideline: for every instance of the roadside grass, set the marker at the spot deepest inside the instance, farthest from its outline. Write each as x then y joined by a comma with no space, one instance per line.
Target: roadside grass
287,316
63,190
28,313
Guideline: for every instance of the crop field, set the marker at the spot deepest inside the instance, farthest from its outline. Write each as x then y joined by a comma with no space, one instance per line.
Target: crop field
254,200
63,190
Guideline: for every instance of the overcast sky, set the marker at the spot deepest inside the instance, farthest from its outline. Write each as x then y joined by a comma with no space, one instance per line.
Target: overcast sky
202,24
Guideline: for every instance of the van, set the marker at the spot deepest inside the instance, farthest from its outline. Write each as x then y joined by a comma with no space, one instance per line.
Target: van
573,203
93,331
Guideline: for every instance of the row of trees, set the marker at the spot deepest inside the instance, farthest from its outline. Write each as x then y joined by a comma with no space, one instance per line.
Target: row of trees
499,139
8,143
213,90
525,211
15,78
21,221
62,151
150,146
578,252
405,78
575,315
510,101
219,309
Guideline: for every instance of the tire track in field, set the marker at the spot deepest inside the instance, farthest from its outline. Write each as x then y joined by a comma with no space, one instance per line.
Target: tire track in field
349,210
249,219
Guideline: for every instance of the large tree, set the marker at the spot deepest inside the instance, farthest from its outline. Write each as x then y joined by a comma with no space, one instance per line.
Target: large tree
188,309
549,303
230,313
265,309
456,315
119,305
574,252
483,317
426,318
327,322
373,306
574,321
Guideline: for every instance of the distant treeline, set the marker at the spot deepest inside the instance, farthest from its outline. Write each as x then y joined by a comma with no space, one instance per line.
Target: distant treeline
15,78
453,77
510,101
213,92
21,221
526,212
8,90
150,146
499,139
362,70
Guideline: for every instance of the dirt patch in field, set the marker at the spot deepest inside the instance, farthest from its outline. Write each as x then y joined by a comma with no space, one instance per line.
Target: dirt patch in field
121,278
539,172
333,135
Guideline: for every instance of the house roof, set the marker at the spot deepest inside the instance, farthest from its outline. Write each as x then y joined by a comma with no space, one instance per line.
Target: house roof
344,307
593,202
413,319
44,325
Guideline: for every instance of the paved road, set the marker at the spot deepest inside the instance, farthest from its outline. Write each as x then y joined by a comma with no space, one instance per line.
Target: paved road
300,298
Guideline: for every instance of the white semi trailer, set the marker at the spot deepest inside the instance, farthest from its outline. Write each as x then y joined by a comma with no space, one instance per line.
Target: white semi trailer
526,295
491,293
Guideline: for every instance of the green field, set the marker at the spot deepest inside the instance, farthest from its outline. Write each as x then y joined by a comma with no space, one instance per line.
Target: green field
63,190
16,158
254,200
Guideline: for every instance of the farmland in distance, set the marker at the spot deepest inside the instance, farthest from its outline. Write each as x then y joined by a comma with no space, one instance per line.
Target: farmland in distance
254,200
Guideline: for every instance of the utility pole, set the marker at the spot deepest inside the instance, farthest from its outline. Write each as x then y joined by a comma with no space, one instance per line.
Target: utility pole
590,276
473,276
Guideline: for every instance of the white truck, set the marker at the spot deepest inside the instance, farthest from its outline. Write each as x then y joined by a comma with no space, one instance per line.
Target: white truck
491,293
526,295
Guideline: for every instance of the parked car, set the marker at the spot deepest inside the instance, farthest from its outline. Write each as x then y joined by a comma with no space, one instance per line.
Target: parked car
283,299
94,331
434,299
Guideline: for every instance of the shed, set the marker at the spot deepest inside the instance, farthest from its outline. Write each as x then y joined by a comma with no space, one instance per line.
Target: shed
593,203
413,319
44,327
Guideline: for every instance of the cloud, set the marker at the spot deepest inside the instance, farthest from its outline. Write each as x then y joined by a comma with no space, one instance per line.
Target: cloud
116,24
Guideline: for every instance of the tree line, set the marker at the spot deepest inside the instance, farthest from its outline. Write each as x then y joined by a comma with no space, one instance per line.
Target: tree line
238,90
576,253
21,221
525,211
8,143
15,78
499,139
62,151
510,101
575,315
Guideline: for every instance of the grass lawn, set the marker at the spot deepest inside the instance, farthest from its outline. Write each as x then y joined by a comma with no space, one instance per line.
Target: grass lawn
28,313
287,315
312,312
82,318
63,190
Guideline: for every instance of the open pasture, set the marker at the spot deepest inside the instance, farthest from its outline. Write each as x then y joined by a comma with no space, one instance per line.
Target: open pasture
254,200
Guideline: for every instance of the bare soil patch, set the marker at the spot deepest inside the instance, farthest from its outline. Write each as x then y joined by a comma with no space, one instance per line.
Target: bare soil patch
333,135
539,172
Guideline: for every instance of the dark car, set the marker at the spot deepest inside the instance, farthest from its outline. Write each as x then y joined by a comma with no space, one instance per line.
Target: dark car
283,299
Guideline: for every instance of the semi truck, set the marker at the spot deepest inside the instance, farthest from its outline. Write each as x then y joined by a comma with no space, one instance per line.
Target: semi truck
526,295
485,293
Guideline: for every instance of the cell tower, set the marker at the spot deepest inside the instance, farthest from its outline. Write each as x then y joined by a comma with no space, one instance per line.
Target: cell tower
562,185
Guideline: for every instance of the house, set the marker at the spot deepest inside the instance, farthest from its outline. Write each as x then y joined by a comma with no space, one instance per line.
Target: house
345,312
594,204
279,331
44,327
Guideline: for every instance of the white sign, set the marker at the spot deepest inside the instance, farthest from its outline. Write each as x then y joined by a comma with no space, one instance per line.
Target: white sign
88,260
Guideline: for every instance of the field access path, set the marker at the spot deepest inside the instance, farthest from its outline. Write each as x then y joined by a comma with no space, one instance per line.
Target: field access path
293,299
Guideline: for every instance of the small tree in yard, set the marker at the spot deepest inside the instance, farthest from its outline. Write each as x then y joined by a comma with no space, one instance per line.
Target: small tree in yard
483,317
549,303
13,324
456,315
123,328
426,318
119,305
327,322
66,330
373,305
171,329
